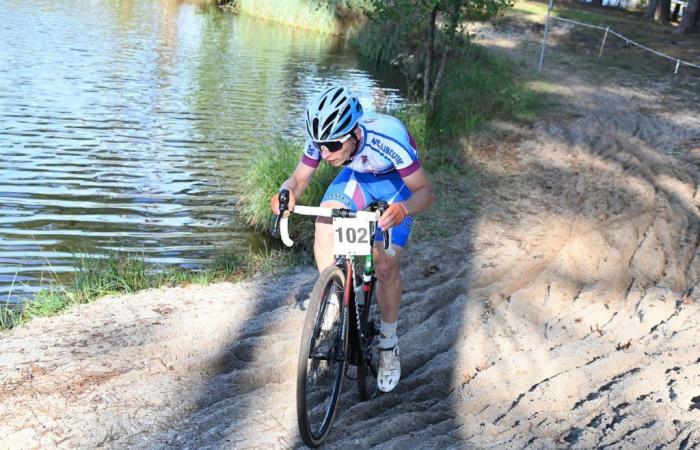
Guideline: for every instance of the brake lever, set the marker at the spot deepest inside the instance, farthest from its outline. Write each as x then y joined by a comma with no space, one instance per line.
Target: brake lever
284,206
381,207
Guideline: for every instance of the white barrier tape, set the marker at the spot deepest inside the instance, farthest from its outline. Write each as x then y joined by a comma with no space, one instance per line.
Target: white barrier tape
579,23
629,41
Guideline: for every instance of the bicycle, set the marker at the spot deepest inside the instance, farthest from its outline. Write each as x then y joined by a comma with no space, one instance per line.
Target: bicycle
333,337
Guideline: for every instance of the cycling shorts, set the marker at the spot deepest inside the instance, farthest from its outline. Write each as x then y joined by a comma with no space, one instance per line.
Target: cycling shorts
356,190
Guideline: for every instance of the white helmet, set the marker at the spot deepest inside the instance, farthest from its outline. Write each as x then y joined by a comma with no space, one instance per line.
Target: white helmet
333,114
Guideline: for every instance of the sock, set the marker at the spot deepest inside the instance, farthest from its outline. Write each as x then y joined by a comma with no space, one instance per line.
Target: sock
387,335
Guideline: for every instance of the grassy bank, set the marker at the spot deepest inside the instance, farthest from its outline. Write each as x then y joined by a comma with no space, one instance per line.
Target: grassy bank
129,273
266,174
324,17
479,88
295,13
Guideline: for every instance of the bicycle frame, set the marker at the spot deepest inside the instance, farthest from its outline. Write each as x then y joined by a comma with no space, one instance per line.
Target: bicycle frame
351,343
358,328
347,262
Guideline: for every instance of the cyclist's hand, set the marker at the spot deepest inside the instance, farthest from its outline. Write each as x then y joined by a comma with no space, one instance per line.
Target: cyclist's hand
394,215
275,204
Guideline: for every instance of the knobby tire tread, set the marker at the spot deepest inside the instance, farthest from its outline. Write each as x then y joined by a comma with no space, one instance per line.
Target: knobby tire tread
331,275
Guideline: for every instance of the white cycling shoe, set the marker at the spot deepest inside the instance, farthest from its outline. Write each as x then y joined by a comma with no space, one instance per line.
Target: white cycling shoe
389,371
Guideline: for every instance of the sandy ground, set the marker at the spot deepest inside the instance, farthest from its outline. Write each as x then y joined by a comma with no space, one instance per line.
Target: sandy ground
564,314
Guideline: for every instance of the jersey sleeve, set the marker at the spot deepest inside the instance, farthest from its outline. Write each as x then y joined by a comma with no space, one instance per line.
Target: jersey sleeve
311,156
397,145
413,154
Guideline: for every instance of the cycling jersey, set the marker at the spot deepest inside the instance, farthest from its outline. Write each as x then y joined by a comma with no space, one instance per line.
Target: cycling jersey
385,146
386,153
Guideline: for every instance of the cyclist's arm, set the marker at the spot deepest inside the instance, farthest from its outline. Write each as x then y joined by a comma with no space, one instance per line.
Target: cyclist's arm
299,179
422,196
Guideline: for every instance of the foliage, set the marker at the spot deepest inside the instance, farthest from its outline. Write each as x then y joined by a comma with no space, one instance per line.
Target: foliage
479,87
272,166
325,16
318,16
433,28
128,273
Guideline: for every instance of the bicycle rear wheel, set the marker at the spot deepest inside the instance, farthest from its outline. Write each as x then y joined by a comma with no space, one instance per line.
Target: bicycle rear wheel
322,357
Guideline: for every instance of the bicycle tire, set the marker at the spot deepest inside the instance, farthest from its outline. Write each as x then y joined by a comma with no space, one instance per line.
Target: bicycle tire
317,343
369,359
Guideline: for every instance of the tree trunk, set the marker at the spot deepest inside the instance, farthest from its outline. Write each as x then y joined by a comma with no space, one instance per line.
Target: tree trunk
438,81
659,10
664,11
598,2
651,9
429,55
691,15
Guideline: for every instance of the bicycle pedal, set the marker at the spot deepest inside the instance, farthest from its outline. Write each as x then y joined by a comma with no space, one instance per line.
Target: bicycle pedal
347,375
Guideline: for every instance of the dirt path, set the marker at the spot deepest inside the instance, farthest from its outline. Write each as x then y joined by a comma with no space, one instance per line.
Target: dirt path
566,313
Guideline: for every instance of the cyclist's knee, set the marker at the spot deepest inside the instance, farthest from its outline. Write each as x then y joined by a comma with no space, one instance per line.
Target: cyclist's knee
386,268
324,225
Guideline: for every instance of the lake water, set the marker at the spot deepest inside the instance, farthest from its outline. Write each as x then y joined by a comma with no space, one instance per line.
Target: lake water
127,125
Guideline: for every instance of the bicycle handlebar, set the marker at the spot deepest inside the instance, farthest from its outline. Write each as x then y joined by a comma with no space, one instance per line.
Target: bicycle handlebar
370,216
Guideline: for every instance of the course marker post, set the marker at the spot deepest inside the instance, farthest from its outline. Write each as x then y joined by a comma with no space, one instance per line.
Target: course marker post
546,32
605,38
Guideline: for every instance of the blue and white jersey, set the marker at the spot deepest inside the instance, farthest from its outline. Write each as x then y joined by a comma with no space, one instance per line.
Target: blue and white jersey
385,146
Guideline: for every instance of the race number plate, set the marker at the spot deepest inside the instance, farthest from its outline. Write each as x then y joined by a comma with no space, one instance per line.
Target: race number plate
350,236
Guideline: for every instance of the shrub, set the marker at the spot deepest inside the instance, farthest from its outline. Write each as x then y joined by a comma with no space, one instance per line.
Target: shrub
272,166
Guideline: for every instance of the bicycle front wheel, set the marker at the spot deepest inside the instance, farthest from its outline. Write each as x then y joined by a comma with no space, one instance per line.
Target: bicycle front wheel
322,357
369,360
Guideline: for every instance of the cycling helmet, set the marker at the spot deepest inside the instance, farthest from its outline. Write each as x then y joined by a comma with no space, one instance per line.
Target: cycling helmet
333,114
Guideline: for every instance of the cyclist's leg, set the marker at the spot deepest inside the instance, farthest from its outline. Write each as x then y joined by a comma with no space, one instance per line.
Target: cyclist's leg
389,282
344,192
391,188
389,288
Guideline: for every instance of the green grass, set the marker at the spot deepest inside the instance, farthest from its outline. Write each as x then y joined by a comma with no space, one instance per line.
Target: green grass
378,42
568,12
310,15
128,273
273,165
480,87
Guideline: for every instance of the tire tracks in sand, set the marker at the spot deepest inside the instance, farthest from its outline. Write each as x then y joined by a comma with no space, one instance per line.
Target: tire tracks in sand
564,314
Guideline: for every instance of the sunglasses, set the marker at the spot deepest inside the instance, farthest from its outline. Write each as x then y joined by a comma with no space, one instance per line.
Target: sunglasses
332,146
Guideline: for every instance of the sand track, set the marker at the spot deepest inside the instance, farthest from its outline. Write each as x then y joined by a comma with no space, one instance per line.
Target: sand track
566,313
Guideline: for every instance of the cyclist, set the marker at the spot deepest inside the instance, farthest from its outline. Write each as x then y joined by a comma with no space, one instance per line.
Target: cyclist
379,161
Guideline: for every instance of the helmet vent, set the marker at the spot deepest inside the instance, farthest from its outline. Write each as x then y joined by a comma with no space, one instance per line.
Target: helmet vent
330,119
345,123
333,114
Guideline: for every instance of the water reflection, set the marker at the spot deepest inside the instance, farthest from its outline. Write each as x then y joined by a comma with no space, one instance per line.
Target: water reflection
127,125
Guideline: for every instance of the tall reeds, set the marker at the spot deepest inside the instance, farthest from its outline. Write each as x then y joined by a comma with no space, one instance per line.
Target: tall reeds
271,167
310,15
